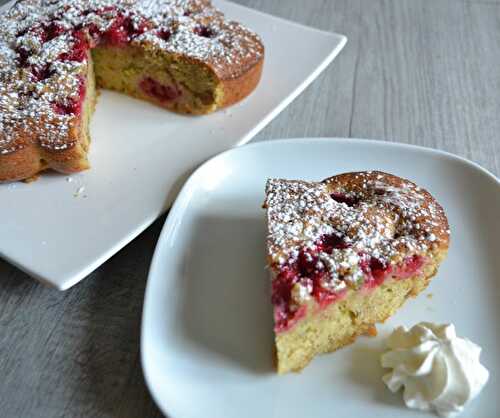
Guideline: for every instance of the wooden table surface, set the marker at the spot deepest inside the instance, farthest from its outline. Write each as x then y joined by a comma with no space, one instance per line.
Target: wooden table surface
424,72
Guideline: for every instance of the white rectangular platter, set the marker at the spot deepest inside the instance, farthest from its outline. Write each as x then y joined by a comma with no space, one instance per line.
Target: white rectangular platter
59,228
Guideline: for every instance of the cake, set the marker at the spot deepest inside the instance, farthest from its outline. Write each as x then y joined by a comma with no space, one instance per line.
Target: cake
344,254
183,55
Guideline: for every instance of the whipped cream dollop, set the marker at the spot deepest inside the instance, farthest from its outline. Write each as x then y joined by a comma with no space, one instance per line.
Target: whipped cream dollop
438,370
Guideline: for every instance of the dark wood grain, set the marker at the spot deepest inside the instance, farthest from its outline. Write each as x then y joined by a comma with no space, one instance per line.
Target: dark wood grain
424,72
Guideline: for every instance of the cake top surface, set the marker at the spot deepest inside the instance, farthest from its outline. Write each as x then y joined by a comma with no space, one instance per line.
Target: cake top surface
347,231
373,212
43,54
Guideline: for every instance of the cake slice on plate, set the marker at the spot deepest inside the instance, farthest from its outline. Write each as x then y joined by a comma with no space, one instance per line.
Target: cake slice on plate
344,254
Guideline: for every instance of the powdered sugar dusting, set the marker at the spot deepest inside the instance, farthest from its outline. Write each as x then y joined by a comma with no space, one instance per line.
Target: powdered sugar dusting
365,216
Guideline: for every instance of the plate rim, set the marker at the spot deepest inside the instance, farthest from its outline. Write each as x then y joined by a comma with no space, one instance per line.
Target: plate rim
176,208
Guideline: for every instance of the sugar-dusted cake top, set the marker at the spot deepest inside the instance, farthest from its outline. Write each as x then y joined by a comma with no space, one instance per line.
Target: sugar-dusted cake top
348,231
370,212
44,44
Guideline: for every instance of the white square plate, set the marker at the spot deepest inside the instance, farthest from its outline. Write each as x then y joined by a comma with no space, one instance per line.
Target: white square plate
207,324
60,231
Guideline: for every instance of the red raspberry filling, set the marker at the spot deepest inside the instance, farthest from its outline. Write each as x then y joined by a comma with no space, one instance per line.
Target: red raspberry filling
161,92
342,198
306,267
135,28
51,31
327,243
376,271
116,34
92,29
164,34
409,267
23,56
72,107
69,108
79,51
204,31
42,73
122,29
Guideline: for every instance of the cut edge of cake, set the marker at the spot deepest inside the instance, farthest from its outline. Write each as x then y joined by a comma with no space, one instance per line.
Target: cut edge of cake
173,82
340,323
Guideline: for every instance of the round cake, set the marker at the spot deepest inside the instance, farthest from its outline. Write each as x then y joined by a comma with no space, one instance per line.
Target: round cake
183,55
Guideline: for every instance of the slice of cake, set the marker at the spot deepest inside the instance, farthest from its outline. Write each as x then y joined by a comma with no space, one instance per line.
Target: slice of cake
344,254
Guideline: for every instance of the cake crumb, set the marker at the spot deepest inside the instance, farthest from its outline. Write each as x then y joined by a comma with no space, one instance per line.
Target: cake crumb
31,179
429,295
371,331
79,191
